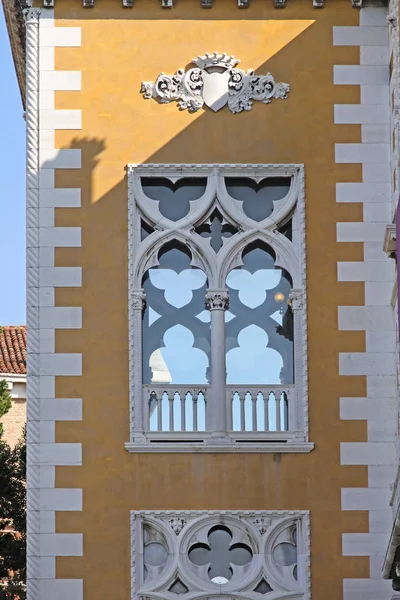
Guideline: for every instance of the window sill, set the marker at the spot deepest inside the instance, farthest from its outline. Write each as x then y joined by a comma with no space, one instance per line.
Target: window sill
230,445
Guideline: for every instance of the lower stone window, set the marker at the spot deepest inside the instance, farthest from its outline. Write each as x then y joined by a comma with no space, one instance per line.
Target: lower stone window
207,554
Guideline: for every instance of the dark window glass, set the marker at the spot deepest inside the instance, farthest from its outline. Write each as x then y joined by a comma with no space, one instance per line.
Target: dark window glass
174,198
257,198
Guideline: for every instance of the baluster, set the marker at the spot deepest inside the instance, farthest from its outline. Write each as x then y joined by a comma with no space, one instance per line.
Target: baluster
278,410
242,413
183,412
159,409
266,415
195,425
171,412
253,412
285,412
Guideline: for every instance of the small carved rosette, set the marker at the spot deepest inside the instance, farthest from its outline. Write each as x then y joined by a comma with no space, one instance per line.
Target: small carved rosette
215,82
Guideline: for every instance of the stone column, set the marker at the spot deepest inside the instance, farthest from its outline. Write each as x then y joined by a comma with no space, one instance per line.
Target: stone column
297,404
139,410
217,302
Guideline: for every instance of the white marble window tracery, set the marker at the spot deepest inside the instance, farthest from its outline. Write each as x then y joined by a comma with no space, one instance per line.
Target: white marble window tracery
217,304
207,554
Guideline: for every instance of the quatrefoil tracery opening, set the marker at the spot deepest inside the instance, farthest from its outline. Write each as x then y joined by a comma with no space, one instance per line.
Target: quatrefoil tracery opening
220,555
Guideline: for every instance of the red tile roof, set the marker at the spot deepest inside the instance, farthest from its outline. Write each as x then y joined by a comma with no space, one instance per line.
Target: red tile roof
13,349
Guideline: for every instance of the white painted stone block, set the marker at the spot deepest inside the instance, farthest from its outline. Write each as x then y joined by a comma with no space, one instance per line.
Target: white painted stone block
362,192
67,37
374,16
61,317
47,386
60,80
368,318
381,476
41,521
358,75
376,172
375,133
367,408
46,102
361,114
45,567
61,276
374,55
375,94
373,251
46,217
365,271
61,409
47,476
381,386
364,544
61,499
380,341
365,498
46,180
60,454
367,589
61,237
62,589
366,363
46,257
376,567
379,295
61,364
60,119
69,158
377,212
380,430
360,232
46,296
360,36
46,58
61,197
46,341
362,153
59,544
367,453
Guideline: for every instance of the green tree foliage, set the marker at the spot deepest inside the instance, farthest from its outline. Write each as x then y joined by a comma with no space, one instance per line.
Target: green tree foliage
12,510
13,520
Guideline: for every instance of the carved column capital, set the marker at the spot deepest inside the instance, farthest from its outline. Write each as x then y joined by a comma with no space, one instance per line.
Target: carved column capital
138,300
296,299
31,16
217,300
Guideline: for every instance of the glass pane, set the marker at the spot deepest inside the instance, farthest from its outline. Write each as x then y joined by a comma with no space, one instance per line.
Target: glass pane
155,554
174,198
285,554
259,340
220,555
257,198
176,344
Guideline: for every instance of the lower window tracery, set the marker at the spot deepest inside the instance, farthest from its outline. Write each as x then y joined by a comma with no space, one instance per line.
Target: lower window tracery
231,554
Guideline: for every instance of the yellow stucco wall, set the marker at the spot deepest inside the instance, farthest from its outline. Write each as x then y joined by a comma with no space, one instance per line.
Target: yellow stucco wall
120,49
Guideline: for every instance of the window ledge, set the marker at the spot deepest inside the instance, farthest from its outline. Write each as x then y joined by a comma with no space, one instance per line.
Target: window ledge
196,447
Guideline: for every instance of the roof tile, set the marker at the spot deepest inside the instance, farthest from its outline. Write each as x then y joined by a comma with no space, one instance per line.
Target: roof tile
13,349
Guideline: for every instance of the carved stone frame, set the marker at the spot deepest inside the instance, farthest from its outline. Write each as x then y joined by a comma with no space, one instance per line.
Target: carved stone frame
177,528
293,260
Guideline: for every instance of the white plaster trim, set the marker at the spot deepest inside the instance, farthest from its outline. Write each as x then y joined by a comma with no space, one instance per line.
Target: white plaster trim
290,256
377,272
183,448
43,318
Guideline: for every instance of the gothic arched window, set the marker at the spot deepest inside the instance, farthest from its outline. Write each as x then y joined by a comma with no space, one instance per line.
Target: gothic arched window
217,306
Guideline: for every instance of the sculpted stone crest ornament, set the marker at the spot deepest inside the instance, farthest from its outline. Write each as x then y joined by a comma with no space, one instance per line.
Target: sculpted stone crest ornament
215,81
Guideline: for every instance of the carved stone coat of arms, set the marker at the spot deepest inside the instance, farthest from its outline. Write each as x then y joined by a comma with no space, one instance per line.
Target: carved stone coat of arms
215,81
